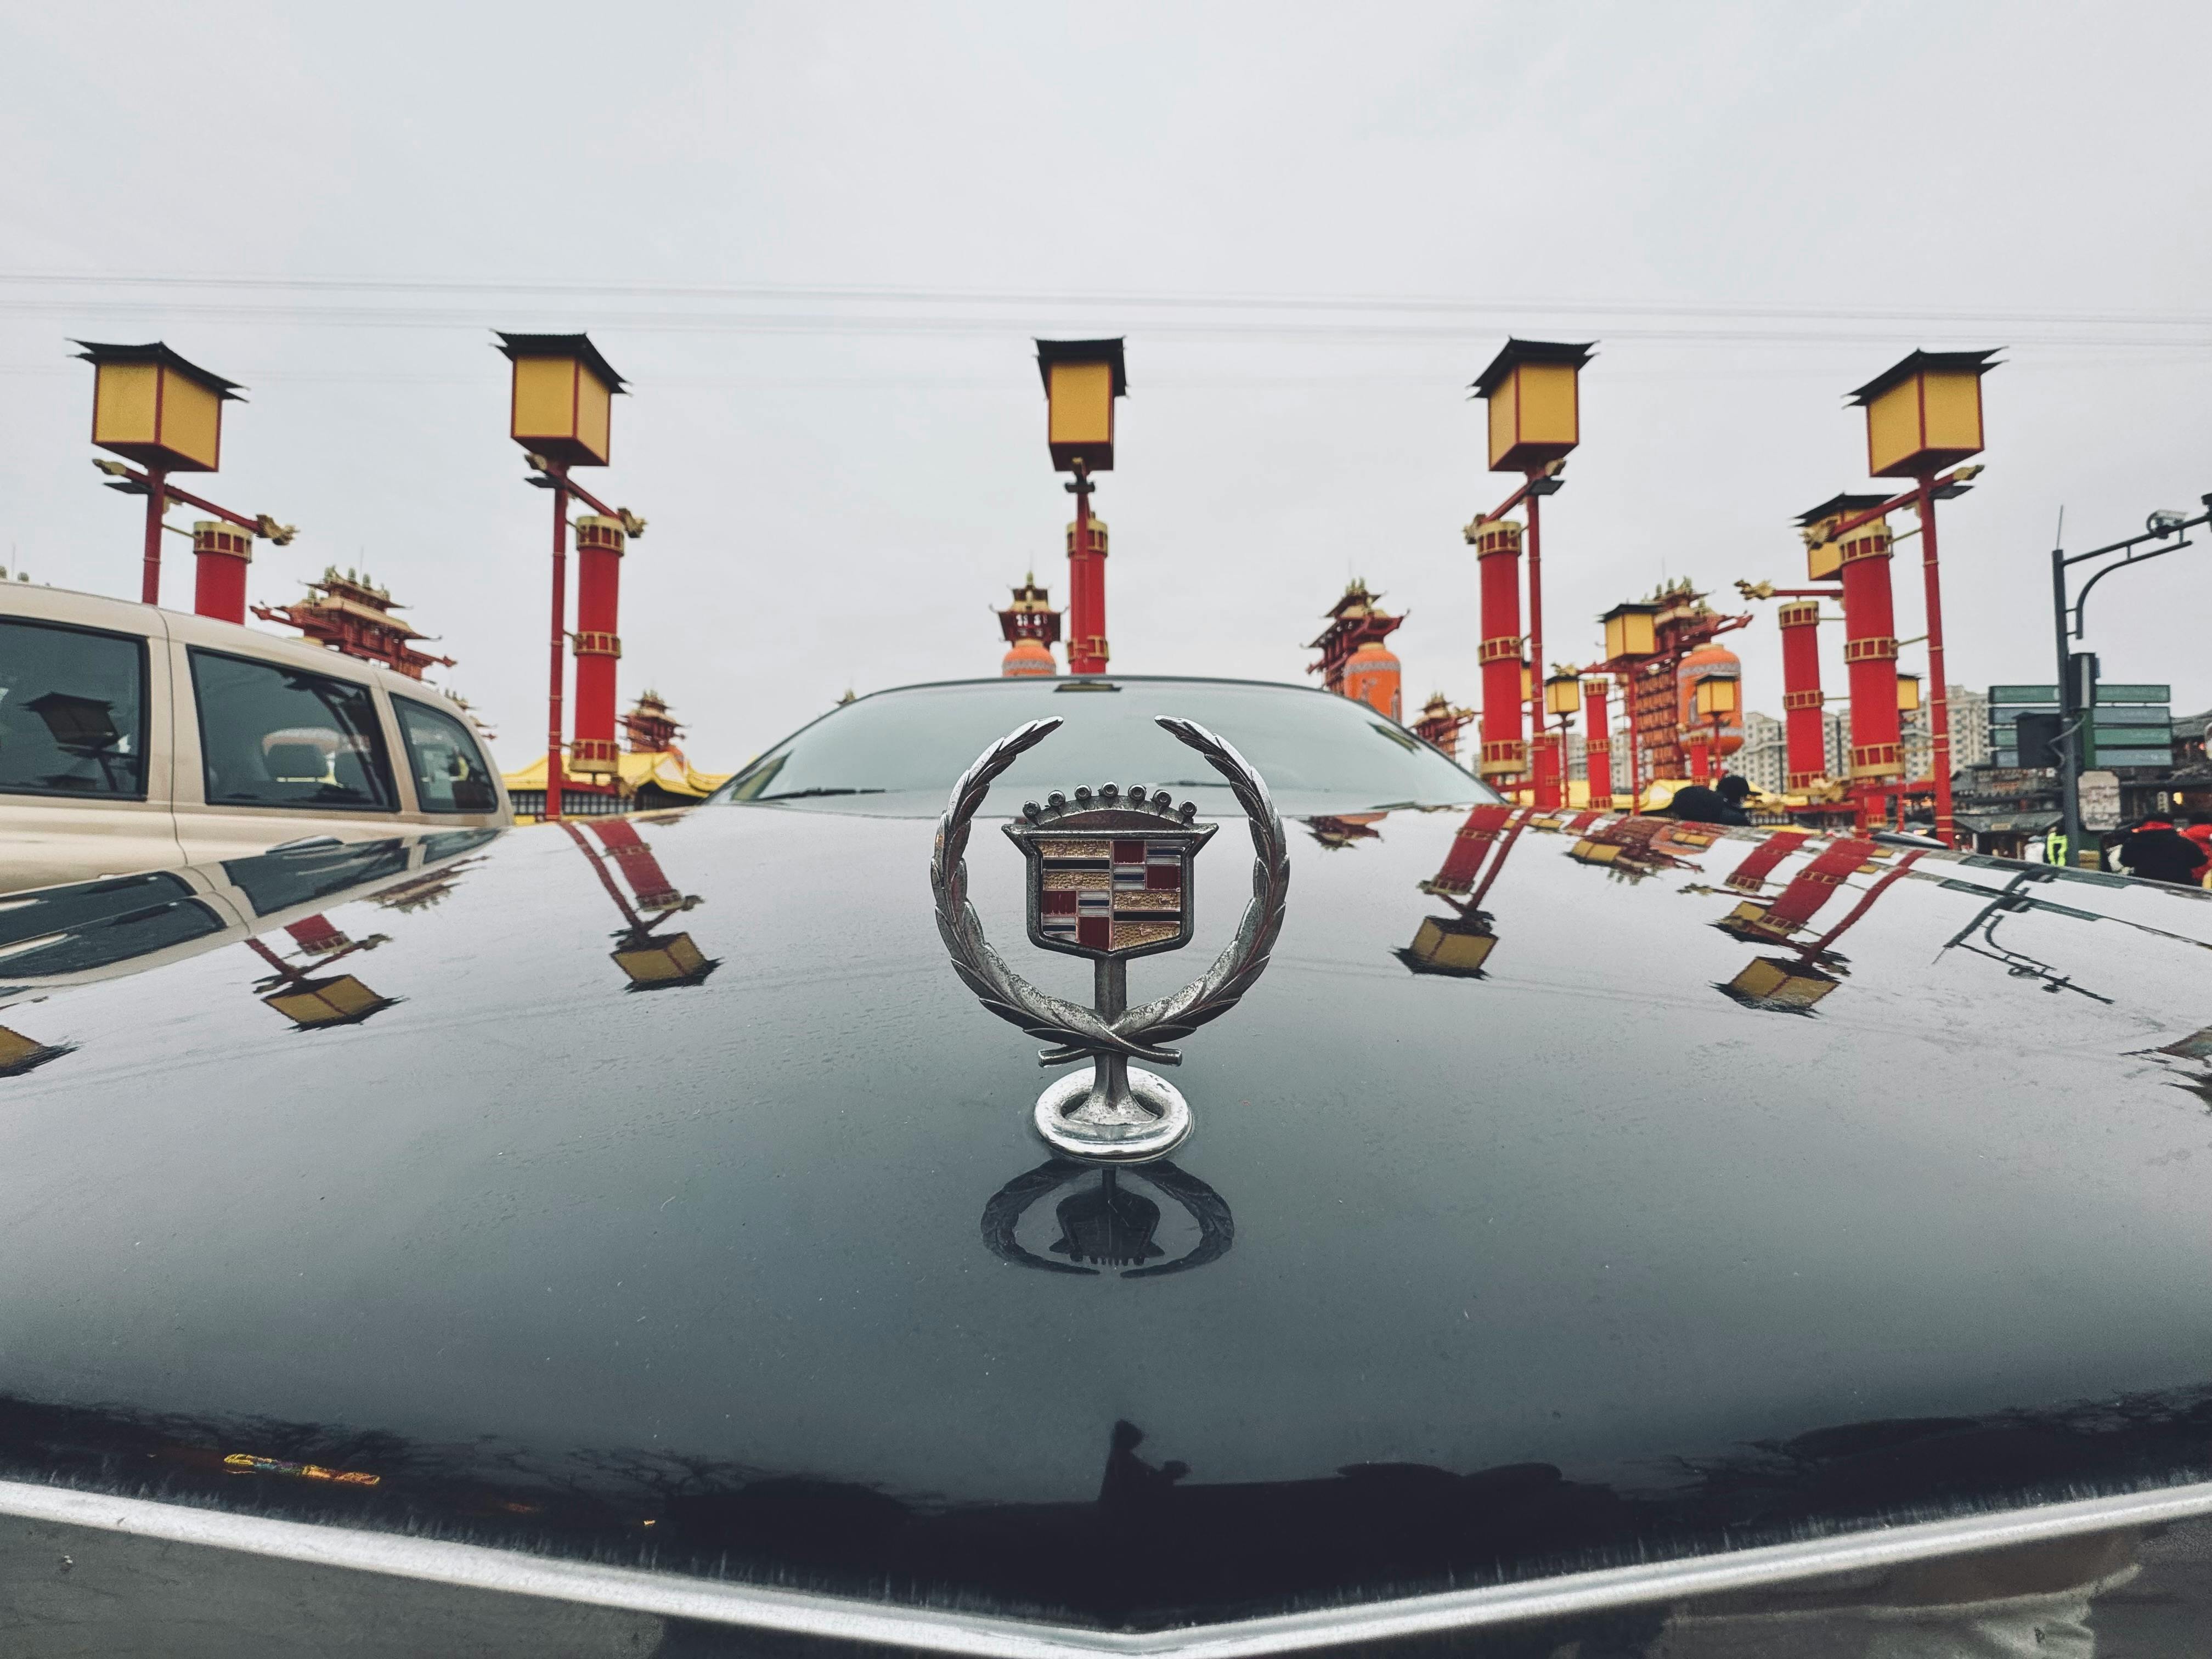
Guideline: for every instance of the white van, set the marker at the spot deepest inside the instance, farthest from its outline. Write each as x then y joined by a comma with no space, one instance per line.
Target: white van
137,738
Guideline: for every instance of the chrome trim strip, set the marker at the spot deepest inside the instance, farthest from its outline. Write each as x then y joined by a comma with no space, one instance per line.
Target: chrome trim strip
983,1636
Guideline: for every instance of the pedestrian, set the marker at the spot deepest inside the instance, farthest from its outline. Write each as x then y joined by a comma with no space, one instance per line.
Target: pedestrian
2155,851
2198,829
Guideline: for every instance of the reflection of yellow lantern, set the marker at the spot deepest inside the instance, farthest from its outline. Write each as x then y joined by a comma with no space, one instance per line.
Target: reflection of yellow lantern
661,961
1453,945
151,406
1082,378
1780,982
341,1001
1716,695
1535,403
1631,630
1924,412
1908,693
563,397
1563,692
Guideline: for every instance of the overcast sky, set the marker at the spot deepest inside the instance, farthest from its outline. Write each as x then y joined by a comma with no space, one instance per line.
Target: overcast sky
817,239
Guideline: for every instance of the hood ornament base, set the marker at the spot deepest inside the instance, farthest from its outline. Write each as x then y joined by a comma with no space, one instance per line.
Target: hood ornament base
1109,878
1121,1114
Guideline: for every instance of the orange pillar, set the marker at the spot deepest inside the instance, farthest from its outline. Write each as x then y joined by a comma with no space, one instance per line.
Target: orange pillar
1497,566
1802,696
1870,654
592,751
1597,743
221,551
1087,595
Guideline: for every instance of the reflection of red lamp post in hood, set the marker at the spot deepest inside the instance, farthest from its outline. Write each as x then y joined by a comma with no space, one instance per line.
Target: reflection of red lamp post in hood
311,1002
1460,944
654,961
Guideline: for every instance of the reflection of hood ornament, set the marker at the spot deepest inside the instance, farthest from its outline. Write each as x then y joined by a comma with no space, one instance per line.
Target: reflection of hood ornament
1110,878
1108,1225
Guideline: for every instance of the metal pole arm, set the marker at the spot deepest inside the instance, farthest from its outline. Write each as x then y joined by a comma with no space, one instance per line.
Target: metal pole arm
141,484
551,475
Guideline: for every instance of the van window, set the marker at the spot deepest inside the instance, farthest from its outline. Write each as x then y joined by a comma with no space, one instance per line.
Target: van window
272,736
450,773
72,712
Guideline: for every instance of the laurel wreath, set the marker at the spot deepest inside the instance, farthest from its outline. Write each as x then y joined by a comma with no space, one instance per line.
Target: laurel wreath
1075,1031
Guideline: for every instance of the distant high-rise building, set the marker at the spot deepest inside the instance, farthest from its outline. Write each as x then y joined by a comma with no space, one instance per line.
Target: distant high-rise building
1970,727
1763,761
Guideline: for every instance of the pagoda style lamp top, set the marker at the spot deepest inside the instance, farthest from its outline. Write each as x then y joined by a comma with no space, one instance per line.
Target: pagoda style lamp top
1562,691
1716,695
1924,412
562,398
1908,693
1823,554
1082,378
1533,388
1631,630
152,406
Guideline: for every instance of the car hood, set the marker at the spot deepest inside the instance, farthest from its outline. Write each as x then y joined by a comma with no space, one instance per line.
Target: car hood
1567,1190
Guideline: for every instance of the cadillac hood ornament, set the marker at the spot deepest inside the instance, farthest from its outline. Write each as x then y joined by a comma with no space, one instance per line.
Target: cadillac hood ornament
1109,877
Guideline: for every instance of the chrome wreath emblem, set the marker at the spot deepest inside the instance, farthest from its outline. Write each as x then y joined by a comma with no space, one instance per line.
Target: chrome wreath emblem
1110,876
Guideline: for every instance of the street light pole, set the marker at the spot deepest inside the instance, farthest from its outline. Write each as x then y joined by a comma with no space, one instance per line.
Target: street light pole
157,505
559,472
2069,768
1938,707
2167,528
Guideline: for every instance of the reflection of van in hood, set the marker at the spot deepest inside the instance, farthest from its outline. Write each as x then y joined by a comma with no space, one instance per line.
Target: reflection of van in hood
81,932
134,738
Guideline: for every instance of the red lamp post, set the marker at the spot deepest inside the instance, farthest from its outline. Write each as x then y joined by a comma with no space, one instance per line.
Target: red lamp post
1082,380
563,393
1924,414
152,406
1533,391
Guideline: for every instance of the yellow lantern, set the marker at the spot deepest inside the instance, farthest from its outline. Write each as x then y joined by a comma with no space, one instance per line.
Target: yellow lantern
1563,692
1908,693
1632,631
1716,695
1533,390
1924,412
1528,682
1824,555
1082,378
151,406
563,399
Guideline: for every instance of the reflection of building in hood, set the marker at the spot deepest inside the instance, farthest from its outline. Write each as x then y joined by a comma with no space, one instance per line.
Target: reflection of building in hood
1338,833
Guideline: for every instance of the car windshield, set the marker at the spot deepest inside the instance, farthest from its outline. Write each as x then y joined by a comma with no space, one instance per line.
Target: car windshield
897,753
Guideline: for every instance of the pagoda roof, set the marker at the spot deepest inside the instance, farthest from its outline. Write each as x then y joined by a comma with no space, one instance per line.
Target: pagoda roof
1837,507
516,347
663,769
324,604
97,352
1515,353
1922,362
